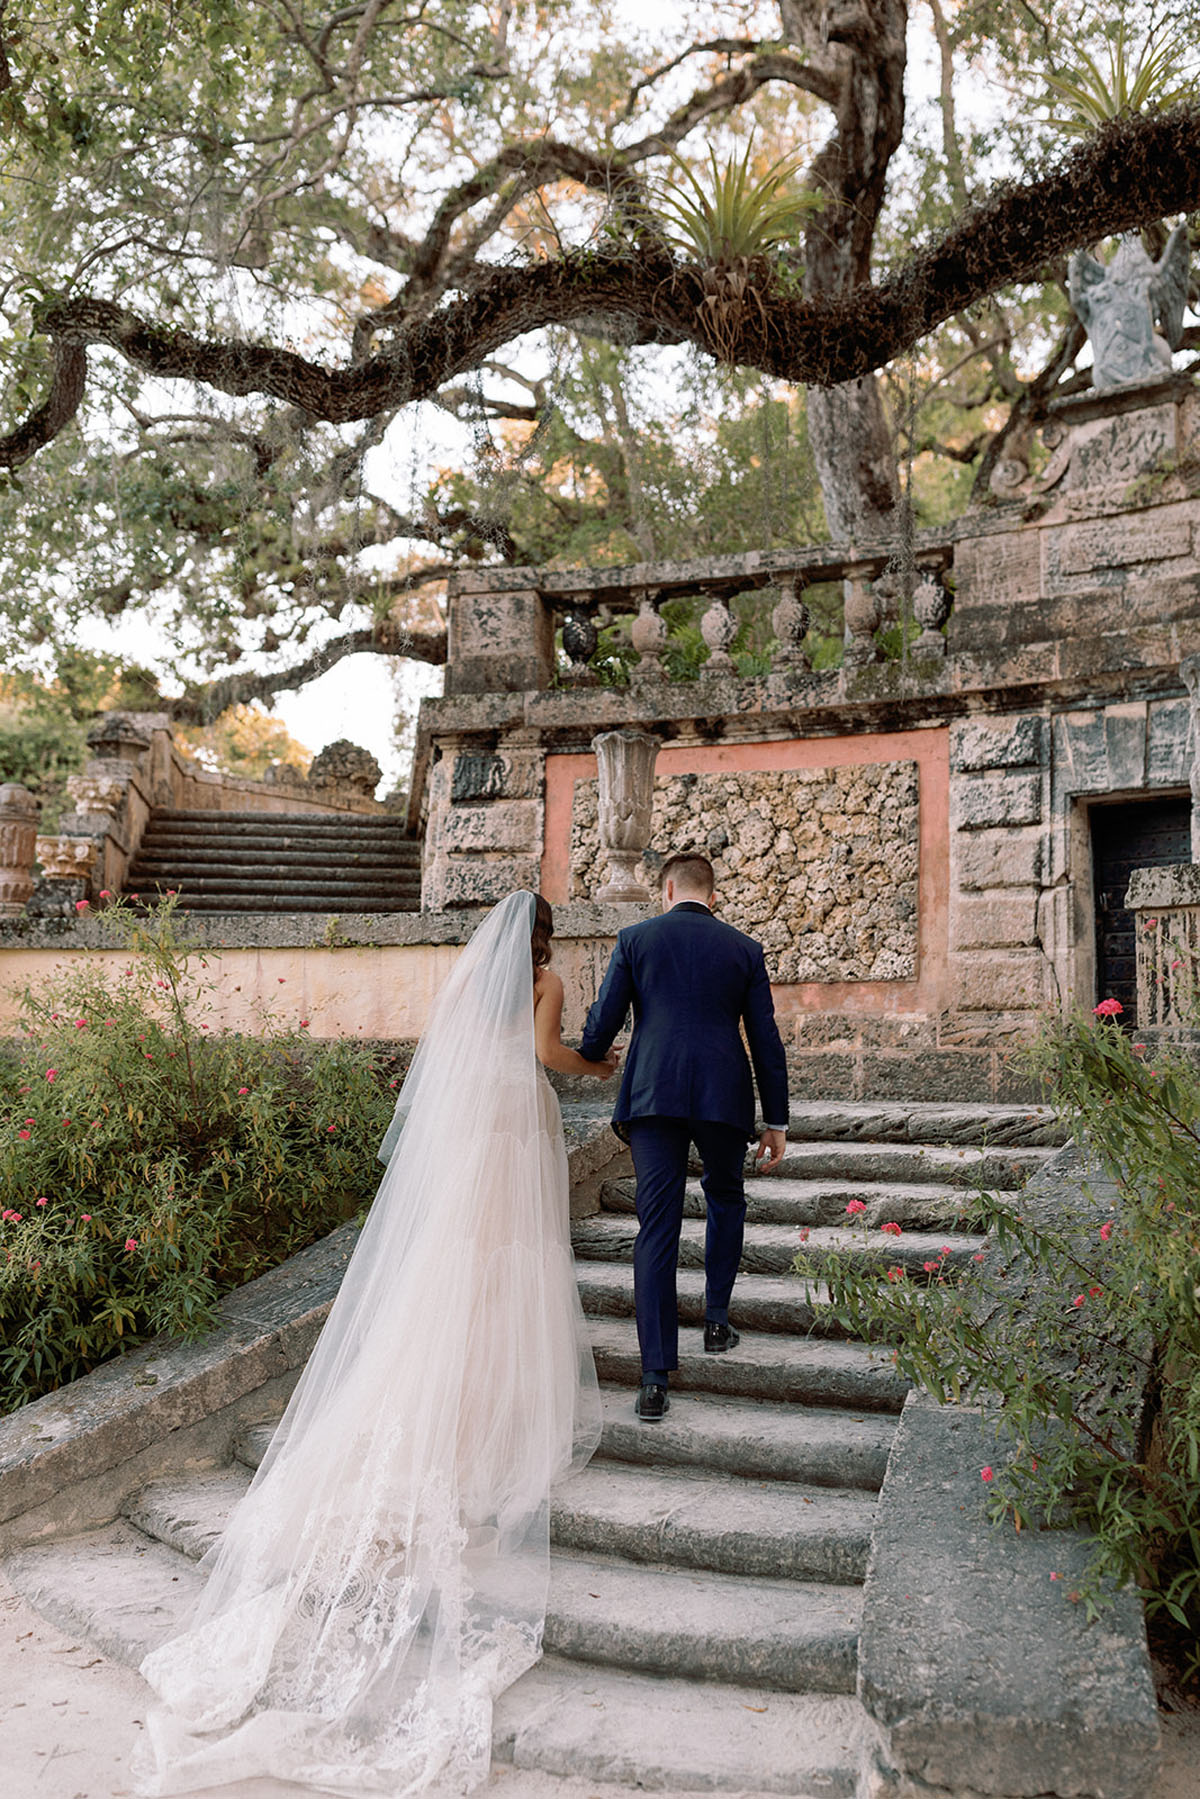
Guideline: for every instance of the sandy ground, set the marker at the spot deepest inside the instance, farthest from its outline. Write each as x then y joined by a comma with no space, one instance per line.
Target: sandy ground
68,1719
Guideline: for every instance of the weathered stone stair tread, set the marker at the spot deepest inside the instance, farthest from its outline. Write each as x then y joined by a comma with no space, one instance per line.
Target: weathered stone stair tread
812,1444
962,1165
646,1731
327,905
761,1302
219,854
763,1366
695,1519
912,1121
795,1635
817,1445
118,1588
327,821
272,882
772,1248
188,1514
773,1199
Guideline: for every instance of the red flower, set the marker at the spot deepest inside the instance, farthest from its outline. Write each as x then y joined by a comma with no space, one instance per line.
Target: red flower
85,1218
1106,1231
131,1244
855,1205
978,1256
51,1074
105,894
82,905
242,1090
1078,1300
25,1134
930,1266
1108,1008
304,1024
891,1229
43,1201
330,1127
895,1274
81,1024
1149,924
986,1474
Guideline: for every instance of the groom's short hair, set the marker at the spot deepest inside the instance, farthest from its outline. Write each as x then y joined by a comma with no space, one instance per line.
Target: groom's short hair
690,872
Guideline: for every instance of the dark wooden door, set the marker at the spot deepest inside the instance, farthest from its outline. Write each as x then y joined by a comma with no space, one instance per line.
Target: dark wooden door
1133,834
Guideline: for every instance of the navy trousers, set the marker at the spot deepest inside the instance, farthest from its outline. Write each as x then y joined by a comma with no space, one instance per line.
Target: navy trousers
660,1159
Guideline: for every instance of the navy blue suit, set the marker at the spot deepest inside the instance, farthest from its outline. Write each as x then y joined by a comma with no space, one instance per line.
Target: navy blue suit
694,983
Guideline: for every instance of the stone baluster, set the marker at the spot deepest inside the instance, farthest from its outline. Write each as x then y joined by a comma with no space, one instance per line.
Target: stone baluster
931,603
862,614
580,638
18,835
648,635
718,628
625,761
790,622
1189,670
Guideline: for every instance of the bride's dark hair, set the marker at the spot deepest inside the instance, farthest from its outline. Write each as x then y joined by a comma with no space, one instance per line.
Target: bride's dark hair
543,930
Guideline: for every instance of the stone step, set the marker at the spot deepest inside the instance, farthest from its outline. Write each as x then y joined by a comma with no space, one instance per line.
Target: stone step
269,882
691,1518
327,905
773,1248
390,822
349,865
210,842
849,1376
680,1516
124,1594
959,1165
792,1635
815,1445
772,1199
925,1121
639,1731
761,1302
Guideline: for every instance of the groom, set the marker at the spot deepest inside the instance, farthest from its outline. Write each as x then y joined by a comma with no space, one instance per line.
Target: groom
692,981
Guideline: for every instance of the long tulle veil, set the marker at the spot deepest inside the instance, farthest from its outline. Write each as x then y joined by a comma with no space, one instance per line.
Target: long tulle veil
386,1574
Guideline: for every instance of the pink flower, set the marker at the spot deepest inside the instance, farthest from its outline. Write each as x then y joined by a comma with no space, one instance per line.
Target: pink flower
242,1090
171,892
1095,1292
330,1127
52,1074
82,905
805,1233
1108,1008
891,1229
1056,1577
978,1256
945,1249
304,1024
1176,964
110,1021
281,978
1149,924
105,894
986,1474
81,1024
1106,1231
131,1244
1078,1300
25,1134
43,1201
854,1205
85,1218
930,1266
895,1274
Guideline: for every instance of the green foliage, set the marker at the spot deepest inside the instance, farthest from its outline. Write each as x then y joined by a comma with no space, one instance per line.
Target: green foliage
1090,96
1080,1338
737,216
148,1164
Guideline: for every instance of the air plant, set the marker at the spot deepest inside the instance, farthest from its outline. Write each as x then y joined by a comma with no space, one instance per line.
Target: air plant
1091,98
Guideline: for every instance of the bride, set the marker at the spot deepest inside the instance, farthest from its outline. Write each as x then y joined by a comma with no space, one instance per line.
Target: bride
385,1576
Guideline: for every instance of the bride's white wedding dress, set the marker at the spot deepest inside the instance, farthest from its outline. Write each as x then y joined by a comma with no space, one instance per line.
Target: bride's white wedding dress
385,1577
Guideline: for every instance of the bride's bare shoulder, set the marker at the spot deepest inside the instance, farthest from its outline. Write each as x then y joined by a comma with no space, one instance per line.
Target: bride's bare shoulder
545,983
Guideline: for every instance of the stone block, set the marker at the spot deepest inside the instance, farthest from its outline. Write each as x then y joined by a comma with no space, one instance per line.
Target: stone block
498,642
997,980
998,1030
1125,744
1098,552
483,775
997,858
1014,742
1168,752
474,881
994,920
821,1030
949,1074
979,802
890,1030
822,1076
1001,569
503,825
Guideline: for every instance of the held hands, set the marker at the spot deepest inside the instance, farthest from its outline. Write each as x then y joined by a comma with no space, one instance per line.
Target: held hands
769,1153
606,1067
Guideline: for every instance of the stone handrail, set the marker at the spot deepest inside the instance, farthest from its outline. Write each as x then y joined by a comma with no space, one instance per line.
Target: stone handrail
1165,903
502,622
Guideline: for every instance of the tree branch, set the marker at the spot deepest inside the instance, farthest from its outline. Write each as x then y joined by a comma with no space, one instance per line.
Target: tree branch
201,705
1130,173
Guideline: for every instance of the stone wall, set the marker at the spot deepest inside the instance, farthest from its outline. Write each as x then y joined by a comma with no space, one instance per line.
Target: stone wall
819,864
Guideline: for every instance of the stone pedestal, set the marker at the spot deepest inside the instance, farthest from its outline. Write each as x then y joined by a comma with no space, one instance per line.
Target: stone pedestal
498,640
18,835
626,803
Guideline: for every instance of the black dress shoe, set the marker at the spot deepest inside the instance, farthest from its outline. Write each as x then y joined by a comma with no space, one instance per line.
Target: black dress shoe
718,1337
652,1401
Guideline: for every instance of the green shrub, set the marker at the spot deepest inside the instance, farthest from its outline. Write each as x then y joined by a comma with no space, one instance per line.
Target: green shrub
148,1164
1080,1336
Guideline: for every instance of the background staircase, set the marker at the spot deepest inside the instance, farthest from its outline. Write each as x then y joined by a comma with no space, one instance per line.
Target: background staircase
705,1597
279,862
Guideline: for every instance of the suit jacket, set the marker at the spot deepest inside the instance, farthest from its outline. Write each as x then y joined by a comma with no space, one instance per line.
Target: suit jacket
691,980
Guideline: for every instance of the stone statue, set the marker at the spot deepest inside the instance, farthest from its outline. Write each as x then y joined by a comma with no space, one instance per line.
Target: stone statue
1118,307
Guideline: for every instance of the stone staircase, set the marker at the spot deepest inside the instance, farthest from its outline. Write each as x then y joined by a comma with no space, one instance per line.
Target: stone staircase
702,1630
279,862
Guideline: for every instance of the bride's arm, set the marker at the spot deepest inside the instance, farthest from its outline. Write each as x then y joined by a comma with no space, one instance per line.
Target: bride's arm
552,1052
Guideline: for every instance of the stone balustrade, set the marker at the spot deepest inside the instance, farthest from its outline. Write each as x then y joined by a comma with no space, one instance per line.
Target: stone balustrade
1165,903
503,623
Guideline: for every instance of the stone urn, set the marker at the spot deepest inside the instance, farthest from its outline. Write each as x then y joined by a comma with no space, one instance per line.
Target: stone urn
18,836
625,760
